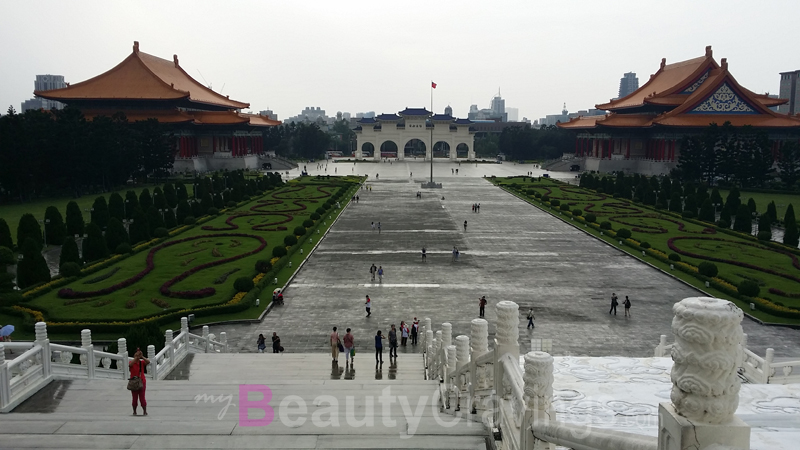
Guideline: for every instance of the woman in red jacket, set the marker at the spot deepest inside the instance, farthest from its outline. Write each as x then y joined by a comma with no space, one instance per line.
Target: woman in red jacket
137,365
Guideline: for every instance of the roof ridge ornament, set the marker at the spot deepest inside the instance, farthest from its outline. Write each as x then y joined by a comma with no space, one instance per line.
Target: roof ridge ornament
663,62
724,63
709,53
175,60
135,46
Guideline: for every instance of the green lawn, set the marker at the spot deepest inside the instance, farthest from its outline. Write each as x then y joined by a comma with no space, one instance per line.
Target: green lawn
271,218
13,212
769,268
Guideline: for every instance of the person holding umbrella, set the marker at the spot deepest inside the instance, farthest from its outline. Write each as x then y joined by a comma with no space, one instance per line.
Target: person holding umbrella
5,334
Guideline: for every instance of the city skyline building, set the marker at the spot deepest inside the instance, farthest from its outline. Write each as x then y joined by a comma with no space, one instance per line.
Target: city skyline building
789,91
45,83
628,84
497,111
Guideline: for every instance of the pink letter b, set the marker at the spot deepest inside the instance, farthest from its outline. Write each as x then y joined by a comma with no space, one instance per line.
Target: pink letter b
263,404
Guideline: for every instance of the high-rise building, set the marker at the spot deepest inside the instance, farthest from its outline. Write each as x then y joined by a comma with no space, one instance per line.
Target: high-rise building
789,91
627,84
497,112
268,113
45,83
448,111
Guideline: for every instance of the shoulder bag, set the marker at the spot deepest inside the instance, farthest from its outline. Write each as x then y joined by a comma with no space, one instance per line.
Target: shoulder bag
135,383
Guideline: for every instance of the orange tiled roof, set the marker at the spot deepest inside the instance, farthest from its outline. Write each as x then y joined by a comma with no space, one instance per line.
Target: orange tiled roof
259,120
141,76
581,122
162,115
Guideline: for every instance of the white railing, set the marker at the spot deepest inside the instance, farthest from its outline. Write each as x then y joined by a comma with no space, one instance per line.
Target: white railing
477,379
41,362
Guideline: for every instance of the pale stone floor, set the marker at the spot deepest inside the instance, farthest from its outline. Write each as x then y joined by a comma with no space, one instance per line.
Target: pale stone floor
510,251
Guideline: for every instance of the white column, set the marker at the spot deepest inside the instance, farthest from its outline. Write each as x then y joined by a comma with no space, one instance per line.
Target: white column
5,379
768,358
205,337
447,334
170,350
44,342
122,350
426,322
462,350
184,324
223,338
86,344
452,362
151,355
705,383
376,155
471,150
538,389
508,327
479,337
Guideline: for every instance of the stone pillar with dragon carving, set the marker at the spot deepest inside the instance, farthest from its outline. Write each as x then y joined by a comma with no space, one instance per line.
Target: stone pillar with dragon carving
538,390
705,383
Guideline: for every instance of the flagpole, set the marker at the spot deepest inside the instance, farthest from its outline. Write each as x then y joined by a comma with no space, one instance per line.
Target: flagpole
431,133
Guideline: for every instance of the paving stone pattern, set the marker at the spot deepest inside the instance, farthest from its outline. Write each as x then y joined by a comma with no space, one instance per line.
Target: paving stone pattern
510,251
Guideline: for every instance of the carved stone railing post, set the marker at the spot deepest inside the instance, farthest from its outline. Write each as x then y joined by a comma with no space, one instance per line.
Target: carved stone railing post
479,376
462,350
86,344
479,337
184,324
122,350
205,338
538,390
452,362
41,339
447,334
705,383
429,347
153,366
223,339
427,324
506,342
5,379
170,349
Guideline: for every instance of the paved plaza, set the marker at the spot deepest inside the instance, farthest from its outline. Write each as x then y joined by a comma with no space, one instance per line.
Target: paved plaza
510,251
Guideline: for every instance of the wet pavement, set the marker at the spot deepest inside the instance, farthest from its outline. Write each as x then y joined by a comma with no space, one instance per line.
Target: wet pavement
510,251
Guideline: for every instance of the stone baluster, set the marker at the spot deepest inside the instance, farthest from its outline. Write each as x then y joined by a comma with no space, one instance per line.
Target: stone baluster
184,324
428,350
428,326
122,350
508,327
705,383
740,361
767,369
223,339
462,350
86,344
538,390
479,337
451,359
205,338
41,339
450,353
437,352
153,366
447,334
170,349
5,379
662,342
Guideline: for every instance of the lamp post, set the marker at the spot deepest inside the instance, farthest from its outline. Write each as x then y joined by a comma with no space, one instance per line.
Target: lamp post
45,222
79,242
127,223
20,257
162,213
125,207
716,205
755,218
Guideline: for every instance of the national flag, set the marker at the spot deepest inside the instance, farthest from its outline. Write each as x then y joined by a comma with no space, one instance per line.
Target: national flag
433,85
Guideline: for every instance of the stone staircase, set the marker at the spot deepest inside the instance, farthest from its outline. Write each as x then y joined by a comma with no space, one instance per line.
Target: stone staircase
316,404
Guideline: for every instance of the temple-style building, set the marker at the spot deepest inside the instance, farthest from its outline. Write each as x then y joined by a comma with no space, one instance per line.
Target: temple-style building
411,131
210,130
642,131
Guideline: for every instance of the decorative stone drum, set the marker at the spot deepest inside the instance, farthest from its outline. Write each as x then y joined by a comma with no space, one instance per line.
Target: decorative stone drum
507,323
538,380
705,385
479,336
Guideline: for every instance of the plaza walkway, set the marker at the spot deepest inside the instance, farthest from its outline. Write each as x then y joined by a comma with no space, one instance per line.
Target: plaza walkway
510,251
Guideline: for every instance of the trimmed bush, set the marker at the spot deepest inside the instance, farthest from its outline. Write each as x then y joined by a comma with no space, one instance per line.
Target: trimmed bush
537,194
32,269
724,224
674,257
231,204
189,220
591,218
123,249
278,251
545,198
290,240
624,233
299,231
94,246
160,232
564,207
688,214
212,211
555,202
748,288
308,223
55,231
605,225
315,216
29,228
644,245
74,219
577,212
243,284
115,234
764,235
69,252
263,266
708,269
69,269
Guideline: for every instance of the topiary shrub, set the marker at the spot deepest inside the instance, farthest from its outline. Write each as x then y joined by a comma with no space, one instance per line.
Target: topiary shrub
565,207
674,257
212,211
231,204
555,202
290,240
708,269
123,248
644,245
308,223
69,269
263,266
161,232
278,251
688,214
605,225
764,235
190,220
299,231
315,216
723,224
243,284
577,212
320,210
537,194
545,198
624,233
748,288
591,218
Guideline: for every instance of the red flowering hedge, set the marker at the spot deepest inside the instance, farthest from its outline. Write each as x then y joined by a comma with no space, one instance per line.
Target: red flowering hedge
205,292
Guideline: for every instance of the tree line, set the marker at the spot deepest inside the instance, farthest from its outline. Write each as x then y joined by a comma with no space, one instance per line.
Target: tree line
297,140
59,151
737,156
526,143
693,200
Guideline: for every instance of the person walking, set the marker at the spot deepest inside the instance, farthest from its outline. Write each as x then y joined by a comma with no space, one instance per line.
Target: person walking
372,271
455,254
403,333
614,304
393,342
369,306
356,199
465,226
276,343
378,347
379,228
335,342
349,343
261,343
380,274
137,369
372,224
482,305
531,317
627,305
414,331
424,254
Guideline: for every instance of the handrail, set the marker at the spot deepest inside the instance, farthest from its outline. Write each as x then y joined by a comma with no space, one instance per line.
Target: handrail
67,348
581,437
19,345
36,348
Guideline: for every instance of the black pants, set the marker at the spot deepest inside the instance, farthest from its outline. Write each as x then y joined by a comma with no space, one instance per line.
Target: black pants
530,323
368,313
482,310
613,308
413,338
393,349
379,353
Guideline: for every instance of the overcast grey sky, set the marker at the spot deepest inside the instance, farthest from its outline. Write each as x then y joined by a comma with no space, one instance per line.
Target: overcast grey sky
381,56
